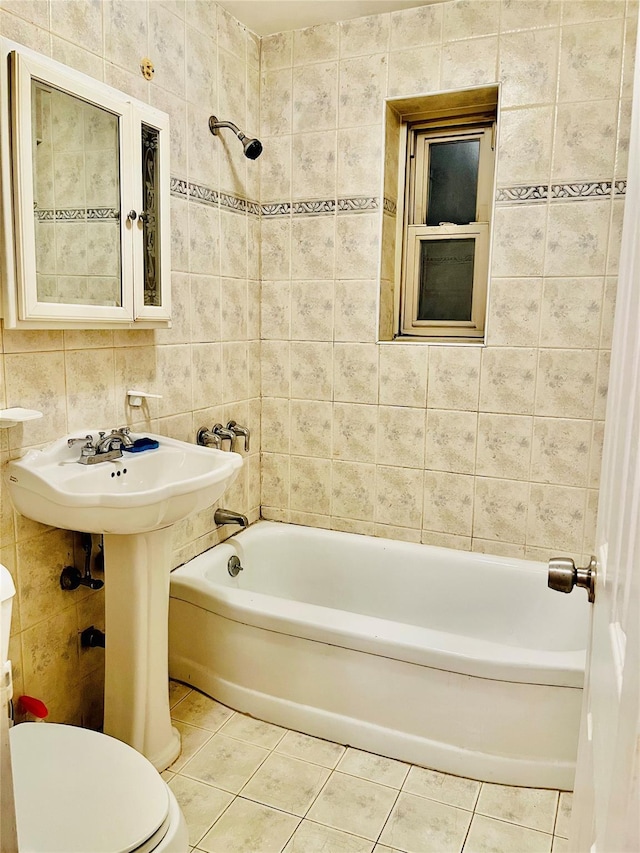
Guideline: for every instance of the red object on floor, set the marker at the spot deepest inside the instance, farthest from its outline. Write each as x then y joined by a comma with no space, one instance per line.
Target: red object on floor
30,705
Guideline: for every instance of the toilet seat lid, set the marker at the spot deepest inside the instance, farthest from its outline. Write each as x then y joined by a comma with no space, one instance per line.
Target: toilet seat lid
78,790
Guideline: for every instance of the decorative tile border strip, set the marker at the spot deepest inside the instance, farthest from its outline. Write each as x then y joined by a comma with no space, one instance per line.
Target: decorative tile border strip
207,195
314,207
358,204
275,208
526,193
79,214
573,192
389,206
595,189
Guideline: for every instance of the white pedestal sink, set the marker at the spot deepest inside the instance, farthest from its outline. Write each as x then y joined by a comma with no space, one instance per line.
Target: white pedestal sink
133,501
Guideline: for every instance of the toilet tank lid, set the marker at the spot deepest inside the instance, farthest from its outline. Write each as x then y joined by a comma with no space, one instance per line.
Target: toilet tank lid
7,588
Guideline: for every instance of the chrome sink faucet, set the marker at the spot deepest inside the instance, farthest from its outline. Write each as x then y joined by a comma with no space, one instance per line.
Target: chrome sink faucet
117,438
105,449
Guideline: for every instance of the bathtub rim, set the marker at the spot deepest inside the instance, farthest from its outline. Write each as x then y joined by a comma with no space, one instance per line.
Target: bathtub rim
374,635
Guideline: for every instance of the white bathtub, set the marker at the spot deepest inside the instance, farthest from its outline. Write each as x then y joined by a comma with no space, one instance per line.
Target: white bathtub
464,663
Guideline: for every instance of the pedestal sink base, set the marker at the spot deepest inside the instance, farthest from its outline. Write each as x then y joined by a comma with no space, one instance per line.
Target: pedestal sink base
136,693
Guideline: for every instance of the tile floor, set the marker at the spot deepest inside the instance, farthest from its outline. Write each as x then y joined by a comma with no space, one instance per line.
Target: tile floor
251,787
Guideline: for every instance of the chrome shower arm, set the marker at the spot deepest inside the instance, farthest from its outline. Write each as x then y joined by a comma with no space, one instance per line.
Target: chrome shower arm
215,125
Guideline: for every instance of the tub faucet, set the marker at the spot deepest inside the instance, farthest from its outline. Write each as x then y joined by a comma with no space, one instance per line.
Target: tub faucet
223,432
207,438
229,516
236,429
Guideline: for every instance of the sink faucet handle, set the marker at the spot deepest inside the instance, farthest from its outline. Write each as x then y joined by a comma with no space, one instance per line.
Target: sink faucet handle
88,439
240,430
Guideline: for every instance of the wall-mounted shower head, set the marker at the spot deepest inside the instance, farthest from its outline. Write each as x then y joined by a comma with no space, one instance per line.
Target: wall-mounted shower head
252,147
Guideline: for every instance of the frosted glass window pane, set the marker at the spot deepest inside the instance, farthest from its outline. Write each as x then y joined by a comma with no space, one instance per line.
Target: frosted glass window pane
446,280
453,181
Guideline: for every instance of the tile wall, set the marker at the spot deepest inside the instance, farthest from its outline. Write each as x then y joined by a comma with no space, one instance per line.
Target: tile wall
206,366
492,448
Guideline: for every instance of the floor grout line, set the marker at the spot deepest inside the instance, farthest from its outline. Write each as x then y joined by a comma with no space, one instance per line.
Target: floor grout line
332,771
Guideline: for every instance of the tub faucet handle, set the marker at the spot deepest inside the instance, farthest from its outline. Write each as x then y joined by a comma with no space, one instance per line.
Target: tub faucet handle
224,432
236,429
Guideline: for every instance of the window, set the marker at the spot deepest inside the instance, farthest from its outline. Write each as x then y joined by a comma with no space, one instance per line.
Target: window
448,187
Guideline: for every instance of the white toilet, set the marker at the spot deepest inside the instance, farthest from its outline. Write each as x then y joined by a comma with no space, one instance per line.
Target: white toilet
79,791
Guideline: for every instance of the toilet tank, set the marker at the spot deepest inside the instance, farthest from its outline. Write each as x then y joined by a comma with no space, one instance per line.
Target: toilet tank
7,591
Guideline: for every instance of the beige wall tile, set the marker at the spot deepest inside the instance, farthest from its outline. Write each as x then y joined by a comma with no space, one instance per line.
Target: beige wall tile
469,63
448,503
354,432
360,161
399,496
504,446
275,425
414,72
508,382
561,451
312,310
524,154
356,316
315,97
413,27
90,381
313,165
401,436
528,63
514,312
312,247
353,490
357,241
519,241
403,375
363,82
311,427
451,441
600,76
125,33
276,110
276,51
355,378
454,378
585,140
566,383
556,517
35,380
311,370
235,371
275,369
527,14
500,510
310,484
360,36
315,44
571,312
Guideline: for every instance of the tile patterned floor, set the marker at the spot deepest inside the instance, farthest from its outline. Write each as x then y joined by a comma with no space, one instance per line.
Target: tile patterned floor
250,787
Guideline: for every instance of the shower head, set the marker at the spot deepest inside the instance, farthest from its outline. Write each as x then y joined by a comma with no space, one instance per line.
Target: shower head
252,147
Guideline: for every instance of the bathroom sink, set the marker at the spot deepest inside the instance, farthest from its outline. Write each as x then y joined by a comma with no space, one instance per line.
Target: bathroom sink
135,493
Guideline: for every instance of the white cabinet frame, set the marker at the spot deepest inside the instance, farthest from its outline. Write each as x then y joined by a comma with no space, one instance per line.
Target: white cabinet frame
21,307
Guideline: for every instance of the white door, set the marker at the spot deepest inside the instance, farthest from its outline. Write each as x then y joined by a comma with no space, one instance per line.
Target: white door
606,812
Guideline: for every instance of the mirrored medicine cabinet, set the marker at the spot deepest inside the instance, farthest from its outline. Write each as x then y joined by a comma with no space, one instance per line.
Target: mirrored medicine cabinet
85,200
